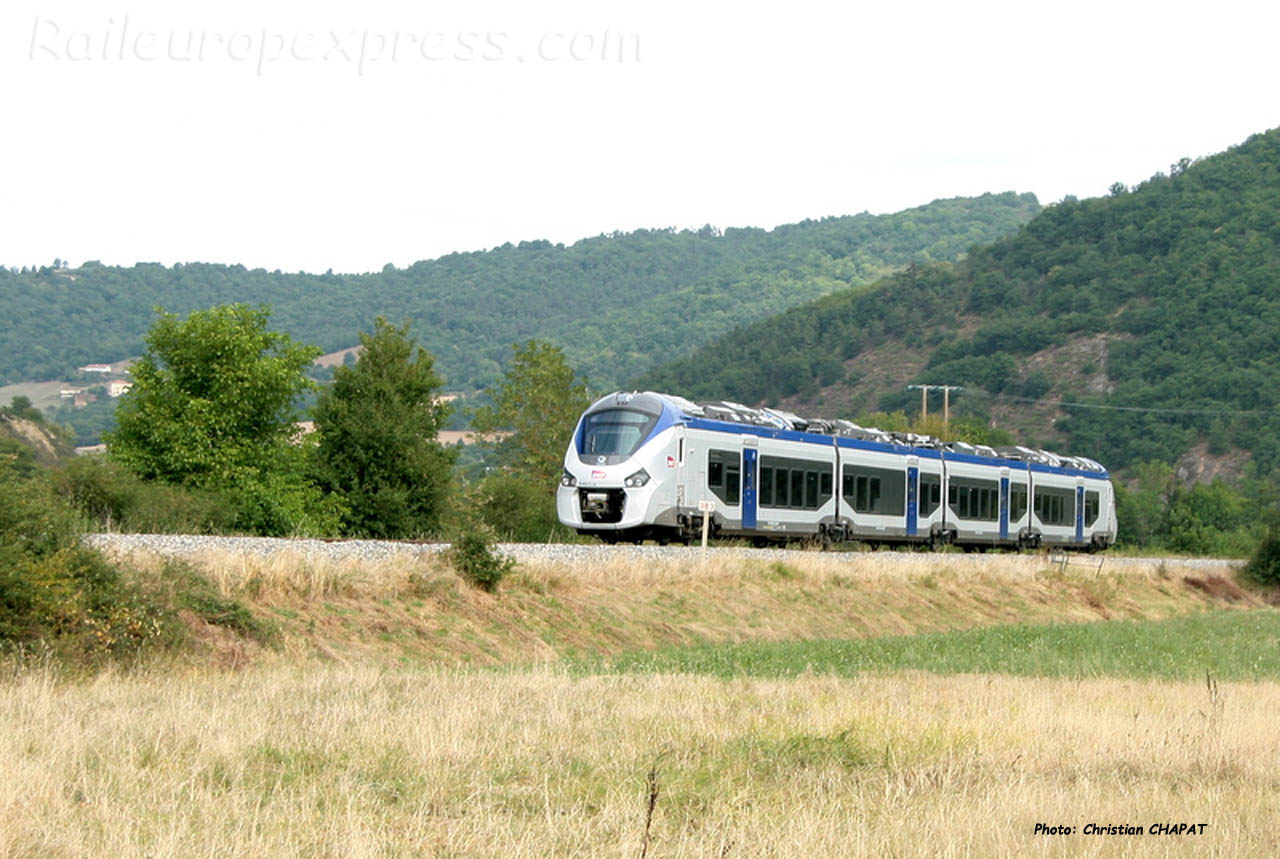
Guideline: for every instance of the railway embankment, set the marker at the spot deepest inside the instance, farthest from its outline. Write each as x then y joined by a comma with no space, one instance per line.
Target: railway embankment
397,602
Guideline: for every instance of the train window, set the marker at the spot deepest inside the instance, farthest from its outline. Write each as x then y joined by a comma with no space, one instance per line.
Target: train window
930,493
970,498
724,475
1054,506
615,432
866,492
1091,508
882,491
1017,501
798,484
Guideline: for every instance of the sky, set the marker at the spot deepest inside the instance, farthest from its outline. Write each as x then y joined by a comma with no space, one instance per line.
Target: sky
307,136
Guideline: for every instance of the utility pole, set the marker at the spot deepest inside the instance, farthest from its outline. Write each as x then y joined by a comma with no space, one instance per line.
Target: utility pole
946,400
924,399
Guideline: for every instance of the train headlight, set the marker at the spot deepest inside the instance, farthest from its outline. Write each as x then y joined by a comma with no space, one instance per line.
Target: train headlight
568,479
635,481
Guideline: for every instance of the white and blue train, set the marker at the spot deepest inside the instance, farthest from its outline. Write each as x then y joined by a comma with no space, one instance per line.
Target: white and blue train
651,466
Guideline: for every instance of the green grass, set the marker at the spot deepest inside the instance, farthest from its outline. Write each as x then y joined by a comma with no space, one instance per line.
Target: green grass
1232,645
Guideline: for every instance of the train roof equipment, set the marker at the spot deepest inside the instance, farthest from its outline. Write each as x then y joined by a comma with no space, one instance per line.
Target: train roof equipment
779,419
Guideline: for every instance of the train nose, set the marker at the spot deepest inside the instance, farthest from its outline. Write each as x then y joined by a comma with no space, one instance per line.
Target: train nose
602,506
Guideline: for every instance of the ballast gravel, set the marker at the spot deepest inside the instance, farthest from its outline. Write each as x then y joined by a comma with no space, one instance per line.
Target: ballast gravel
187,545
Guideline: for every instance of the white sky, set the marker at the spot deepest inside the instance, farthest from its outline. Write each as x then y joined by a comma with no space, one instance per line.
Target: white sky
316,135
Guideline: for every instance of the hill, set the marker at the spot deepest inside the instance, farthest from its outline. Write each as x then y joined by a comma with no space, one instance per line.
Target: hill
1155,308
618,303
27,440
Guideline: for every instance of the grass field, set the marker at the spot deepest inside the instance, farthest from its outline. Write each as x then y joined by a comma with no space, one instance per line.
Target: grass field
670,711
1228,645
370,762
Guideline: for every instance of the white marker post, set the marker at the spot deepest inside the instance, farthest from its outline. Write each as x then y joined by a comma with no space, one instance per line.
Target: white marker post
706,508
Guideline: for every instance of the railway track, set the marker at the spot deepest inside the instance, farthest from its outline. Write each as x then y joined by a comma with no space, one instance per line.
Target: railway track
188,545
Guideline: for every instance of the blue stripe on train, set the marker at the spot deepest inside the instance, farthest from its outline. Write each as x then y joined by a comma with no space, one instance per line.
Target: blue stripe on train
878,447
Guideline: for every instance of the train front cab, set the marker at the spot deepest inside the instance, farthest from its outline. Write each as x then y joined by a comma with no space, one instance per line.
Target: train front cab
620,470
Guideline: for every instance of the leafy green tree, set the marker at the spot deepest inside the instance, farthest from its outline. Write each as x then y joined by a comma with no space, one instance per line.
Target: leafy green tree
539,401
212,406
1210,519
20,407
377,428
1264,565
19,457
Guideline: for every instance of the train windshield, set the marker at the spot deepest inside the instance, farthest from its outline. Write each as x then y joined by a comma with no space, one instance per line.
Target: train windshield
615,432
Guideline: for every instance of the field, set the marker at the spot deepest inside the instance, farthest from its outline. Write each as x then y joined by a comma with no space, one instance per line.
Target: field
43,395
738,707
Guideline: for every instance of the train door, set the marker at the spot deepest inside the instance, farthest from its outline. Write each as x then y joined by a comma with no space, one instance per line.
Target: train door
913,495
1004,504
681,468
1079,510
945,494
750,467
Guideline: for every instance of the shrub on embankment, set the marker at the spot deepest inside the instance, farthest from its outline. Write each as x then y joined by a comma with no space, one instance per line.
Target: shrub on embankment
1264,566
61,599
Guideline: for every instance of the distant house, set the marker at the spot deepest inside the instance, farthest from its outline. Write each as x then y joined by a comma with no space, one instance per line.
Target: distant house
116,387
70,393
104,369
449,438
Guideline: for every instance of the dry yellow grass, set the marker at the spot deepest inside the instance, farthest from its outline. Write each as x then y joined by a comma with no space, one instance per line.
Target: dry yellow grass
369,761
419,609
357,739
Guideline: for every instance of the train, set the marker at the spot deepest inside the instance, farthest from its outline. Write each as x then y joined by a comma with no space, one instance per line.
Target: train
650,466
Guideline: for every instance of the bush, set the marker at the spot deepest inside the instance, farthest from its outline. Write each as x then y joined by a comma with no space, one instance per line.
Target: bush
112,498
516,509
283,504
1264,566
59,597
474,558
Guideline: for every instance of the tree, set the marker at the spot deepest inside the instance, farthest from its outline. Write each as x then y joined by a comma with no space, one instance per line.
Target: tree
539,401
377,429
20,407
213,406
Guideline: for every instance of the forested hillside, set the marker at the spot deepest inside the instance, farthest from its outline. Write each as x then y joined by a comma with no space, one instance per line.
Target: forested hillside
618,304
1159,306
